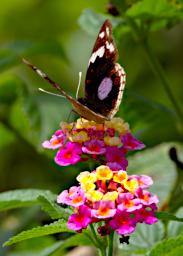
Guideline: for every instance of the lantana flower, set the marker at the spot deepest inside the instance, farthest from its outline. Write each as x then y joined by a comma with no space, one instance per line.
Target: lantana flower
114,199
108,143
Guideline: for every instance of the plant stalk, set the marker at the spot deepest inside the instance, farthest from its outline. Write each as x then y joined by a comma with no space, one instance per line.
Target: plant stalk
155,64
110,243
99,245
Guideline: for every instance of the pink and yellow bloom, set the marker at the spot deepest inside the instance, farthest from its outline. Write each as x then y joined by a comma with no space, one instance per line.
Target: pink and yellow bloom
113,197
108,143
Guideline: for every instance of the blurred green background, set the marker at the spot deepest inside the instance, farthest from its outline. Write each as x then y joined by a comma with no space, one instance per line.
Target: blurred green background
57,37
48,34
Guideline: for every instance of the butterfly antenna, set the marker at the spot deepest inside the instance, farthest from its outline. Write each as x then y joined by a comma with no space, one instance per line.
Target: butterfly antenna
54,94
79,83
45,77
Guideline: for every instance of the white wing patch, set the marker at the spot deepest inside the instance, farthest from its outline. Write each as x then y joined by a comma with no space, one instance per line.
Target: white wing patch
99,53
107,31
102,34
104,88
109,46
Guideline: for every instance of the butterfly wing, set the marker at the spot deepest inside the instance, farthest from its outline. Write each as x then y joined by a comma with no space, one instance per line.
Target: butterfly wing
105,79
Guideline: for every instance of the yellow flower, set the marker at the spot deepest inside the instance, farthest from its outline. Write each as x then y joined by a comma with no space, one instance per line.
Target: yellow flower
79,137
83,123
112,196
94,195
131,185
118,124
103,172
86,177
112,141
66,127
88,186
120,177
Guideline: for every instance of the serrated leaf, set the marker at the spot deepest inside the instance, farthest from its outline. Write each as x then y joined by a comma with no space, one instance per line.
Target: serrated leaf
168,216
143,239
91,21
55,227
156,163
21,198
54,210
168,247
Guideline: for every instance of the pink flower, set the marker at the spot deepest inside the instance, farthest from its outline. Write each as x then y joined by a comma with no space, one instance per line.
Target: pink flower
74,197
131,143
114,166
56,141
115,155
103,209
70,154
146,215
123,223
96,147
127,202
145,197
80,220
143,180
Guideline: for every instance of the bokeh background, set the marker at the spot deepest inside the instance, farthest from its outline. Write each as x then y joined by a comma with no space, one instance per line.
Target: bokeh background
57,37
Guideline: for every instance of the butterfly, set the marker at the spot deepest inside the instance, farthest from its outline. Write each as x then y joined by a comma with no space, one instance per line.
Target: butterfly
104,83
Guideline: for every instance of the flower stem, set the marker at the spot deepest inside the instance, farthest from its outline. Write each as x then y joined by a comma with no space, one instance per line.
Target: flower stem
156,67
159,72
110,243
99,245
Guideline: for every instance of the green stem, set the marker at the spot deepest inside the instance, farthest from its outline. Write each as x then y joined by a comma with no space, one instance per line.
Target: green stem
159,72
110,250
98,243
155,64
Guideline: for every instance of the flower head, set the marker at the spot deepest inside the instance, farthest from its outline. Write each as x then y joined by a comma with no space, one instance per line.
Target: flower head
107,143
113,197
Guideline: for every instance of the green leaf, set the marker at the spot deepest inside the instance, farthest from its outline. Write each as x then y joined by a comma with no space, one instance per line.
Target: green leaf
91,21
152,9
22,198
11,53
55,227
176,228
168,216
49,250
6,135
168,247
143,239
54,210
75,240
25,119
156,163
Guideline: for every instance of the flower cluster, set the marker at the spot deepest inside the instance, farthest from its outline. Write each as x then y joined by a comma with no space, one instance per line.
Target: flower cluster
111,197
82,140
